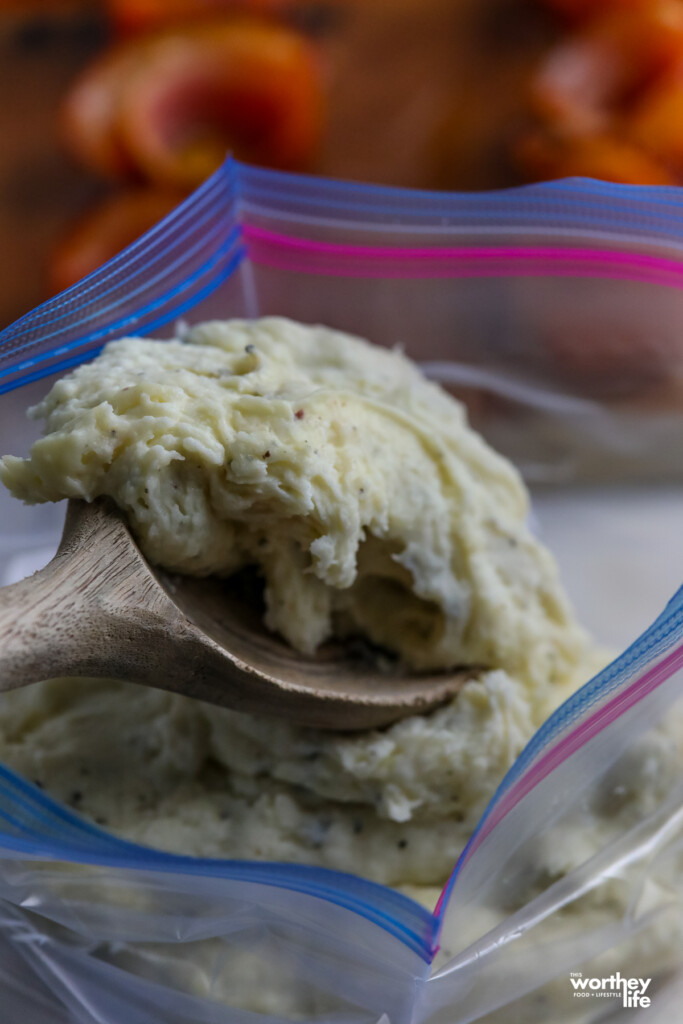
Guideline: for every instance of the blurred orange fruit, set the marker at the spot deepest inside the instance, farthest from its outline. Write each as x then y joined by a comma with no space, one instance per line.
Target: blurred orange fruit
89,114
105,231
603,65
168,107
244,87
609,99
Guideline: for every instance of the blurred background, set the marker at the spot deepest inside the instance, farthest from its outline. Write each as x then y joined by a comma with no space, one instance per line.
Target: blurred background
113,110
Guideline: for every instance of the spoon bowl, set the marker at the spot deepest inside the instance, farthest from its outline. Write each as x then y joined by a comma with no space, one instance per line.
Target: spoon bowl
99,609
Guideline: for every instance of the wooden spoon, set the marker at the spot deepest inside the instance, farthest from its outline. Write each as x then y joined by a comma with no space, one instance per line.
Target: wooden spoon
99,609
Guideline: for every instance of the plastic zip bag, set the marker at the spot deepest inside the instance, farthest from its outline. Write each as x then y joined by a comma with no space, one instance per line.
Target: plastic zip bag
597,796
555,884
553,310
111,931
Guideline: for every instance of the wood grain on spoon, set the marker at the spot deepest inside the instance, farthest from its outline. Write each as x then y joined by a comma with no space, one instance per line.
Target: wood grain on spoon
99,609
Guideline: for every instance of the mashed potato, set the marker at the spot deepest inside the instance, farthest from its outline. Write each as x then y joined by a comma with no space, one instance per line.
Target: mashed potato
355,485
361,494
395,805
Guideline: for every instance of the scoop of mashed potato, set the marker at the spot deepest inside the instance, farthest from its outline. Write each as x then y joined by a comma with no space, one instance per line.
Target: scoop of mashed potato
354,485
395,805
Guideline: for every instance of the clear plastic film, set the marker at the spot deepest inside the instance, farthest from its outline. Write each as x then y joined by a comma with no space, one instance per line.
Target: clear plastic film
111,944
575,872
118,932
573,876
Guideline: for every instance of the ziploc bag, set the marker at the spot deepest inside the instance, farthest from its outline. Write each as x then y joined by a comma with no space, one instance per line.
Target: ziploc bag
554,310
574,873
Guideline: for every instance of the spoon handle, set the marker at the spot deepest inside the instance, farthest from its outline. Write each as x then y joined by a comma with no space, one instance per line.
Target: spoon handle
42,634
73,617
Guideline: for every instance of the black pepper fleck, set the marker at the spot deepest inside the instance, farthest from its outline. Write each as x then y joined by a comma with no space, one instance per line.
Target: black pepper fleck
76,797
266,455
402,843
299,414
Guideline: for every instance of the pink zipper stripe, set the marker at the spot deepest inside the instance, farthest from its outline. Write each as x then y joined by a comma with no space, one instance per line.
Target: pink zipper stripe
287,252
588,729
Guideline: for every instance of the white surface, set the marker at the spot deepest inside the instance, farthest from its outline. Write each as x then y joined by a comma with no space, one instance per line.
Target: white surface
620,554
